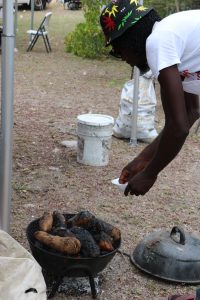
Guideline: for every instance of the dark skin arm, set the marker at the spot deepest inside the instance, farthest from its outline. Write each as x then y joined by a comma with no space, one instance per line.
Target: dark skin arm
181,111
143,159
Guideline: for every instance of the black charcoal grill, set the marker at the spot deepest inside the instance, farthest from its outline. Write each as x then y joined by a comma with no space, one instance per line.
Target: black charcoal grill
59,266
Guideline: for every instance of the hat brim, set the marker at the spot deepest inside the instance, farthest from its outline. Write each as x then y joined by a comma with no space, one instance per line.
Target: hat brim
133,19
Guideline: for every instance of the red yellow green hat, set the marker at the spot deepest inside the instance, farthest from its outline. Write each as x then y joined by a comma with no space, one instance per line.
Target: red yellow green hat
119,15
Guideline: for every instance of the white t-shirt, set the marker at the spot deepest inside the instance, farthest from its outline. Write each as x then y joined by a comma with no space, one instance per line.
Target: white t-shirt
176,40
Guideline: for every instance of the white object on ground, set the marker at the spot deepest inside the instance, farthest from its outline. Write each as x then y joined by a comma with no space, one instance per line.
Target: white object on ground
121,186
69,144
20,275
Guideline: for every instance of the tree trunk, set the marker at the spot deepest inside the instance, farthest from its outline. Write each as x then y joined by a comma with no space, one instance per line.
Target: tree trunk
177,4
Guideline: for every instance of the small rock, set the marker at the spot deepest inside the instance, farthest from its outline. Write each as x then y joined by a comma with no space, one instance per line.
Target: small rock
29,205
56,150
70,144
54,169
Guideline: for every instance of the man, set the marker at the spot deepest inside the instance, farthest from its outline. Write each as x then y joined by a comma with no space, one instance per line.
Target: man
171,49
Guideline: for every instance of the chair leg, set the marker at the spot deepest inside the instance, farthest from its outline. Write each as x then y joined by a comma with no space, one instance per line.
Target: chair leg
30,44
48,43
34,40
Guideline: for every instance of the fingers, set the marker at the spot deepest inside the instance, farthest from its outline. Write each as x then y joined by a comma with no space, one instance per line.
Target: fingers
132,191
124,177
128,190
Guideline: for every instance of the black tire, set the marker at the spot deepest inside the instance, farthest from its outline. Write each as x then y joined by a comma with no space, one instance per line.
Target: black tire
72,6
77,6
40,4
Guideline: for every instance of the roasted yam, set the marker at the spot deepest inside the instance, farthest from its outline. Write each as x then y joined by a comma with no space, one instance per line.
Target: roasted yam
65,245
81,219
104,241
89,247
46,222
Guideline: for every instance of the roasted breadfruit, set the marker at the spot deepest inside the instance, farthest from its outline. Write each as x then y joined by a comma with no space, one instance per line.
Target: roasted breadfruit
104,241
97,226
80,219
59,227
89,247
61,231
46,222
65,245
58,219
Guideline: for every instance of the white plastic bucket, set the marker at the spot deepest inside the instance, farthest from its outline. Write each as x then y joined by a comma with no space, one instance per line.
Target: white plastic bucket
94,139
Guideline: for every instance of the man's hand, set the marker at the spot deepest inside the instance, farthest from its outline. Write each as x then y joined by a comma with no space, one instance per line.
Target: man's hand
140,184
133,168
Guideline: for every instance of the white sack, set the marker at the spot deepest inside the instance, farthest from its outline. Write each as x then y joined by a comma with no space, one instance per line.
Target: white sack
146,110
19,272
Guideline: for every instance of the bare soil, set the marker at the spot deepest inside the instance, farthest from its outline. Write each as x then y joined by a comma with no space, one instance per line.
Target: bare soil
51,90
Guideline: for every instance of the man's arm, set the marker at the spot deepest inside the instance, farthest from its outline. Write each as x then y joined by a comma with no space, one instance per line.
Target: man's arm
179,117
147,154
177,121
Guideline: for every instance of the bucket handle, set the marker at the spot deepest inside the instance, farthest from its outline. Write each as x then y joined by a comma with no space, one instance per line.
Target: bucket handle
174,232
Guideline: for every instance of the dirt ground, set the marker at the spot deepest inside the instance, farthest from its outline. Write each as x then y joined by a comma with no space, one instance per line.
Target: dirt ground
51,90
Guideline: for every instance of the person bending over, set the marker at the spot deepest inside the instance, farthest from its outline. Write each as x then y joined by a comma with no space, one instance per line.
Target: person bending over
171,49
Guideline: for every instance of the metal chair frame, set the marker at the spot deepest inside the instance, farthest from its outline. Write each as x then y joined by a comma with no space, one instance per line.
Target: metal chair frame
41,31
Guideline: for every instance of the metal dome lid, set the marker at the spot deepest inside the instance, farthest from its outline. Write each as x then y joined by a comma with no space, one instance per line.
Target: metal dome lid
171,255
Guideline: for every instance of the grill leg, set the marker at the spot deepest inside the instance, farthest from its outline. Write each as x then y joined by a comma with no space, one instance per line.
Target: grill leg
55,287
93,288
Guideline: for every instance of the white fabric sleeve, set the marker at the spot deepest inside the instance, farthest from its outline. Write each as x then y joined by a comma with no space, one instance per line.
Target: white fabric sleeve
164,49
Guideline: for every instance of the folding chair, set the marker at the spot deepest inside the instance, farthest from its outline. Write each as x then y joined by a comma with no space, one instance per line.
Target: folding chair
42,31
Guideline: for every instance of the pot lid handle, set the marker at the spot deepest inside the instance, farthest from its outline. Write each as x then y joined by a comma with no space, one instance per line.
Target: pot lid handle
174,235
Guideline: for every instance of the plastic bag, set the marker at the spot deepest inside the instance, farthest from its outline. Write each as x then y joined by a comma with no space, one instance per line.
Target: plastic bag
146,110
20,275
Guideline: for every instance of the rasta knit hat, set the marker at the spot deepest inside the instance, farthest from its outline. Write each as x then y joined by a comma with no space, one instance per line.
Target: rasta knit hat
119,15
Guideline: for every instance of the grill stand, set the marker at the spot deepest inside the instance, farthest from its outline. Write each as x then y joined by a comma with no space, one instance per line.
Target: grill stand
58,280
55,287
